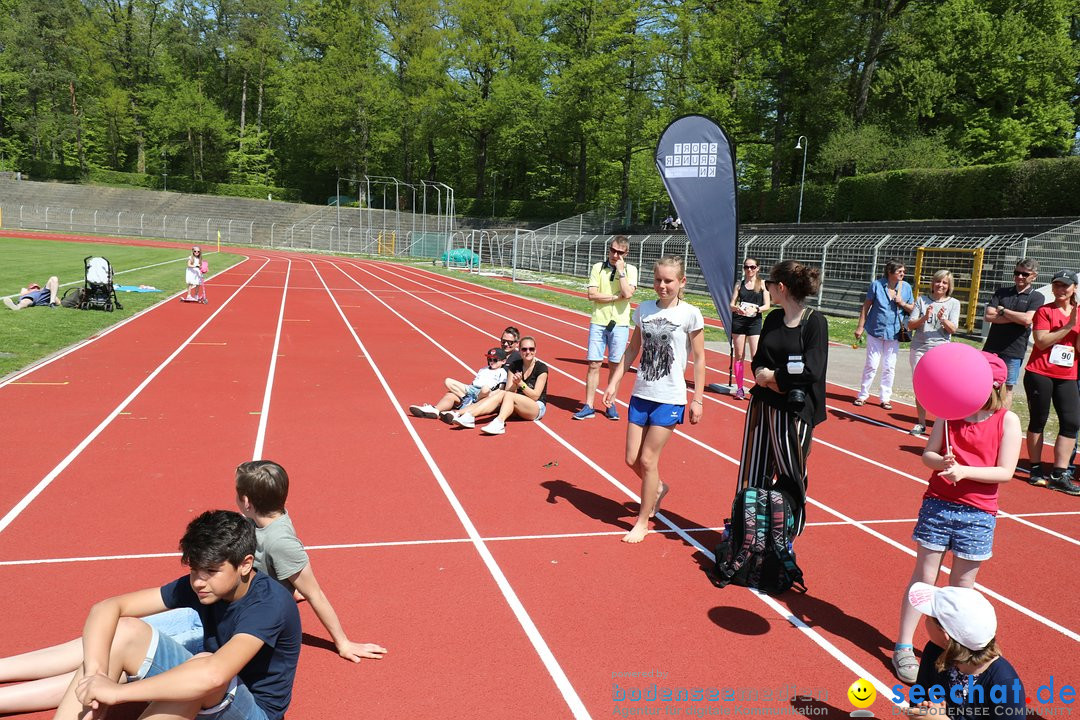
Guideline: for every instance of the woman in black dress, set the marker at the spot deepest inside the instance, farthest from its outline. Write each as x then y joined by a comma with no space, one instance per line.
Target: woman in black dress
748,304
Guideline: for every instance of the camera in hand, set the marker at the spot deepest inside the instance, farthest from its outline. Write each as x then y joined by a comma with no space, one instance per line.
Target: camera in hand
796,399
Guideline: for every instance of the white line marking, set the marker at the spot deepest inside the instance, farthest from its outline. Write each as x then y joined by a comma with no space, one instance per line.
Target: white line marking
63,464
264,416
1022,609
570,696
427,275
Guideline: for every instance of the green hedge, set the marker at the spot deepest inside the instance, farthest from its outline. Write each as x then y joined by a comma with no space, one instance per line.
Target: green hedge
1046,187
177,183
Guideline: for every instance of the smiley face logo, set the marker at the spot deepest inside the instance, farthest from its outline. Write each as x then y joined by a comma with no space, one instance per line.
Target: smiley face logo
861,693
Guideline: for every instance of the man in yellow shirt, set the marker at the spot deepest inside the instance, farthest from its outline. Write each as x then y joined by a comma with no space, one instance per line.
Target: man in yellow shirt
611,285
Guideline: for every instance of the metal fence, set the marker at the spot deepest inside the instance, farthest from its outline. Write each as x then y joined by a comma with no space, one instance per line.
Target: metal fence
331,229
848,261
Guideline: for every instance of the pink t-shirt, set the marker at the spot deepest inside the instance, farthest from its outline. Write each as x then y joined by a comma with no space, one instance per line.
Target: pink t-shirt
975,445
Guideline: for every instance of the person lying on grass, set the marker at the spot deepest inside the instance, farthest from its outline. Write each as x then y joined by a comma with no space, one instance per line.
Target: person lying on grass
278,553
33,295
251,630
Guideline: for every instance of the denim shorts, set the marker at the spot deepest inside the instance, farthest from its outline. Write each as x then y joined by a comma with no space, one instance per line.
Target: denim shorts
1013,365
164,653
541,409
607,343
181,624
944,525
648,412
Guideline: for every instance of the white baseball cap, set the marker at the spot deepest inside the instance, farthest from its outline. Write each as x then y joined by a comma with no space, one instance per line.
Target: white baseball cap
965,615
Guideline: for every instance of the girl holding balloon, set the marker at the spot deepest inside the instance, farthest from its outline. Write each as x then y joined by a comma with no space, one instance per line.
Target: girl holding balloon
972,451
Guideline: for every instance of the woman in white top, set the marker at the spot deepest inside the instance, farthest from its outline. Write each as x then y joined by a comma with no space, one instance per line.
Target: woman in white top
933,321
664,329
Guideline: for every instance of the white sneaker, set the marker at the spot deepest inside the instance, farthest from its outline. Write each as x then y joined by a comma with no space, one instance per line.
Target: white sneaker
495,427
427,410
465,420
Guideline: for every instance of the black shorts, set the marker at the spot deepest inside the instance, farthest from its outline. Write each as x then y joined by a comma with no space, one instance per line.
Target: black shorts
743,325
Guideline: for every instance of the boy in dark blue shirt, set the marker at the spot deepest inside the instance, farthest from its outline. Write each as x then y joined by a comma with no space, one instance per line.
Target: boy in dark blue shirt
251,636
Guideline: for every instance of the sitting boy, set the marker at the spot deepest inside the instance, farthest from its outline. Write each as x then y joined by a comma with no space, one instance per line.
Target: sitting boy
458,394
251,633
33,295
262,486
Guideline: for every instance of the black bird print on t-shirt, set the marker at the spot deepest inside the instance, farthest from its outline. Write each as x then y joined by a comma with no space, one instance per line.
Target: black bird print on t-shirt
657,355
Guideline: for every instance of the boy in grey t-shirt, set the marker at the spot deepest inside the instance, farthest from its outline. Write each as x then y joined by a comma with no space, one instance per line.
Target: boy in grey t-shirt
262,486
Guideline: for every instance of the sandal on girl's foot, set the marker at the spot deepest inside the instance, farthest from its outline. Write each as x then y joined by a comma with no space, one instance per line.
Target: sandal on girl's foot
906,665
886,406
858,403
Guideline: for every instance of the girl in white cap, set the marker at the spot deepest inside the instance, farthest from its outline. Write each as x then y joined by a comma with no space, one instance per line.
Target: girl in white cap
963,658
959,508
193,275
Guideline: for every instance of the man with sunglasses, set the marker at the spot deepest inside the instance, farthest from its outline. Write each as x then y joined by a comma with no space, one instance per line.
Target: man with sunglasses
509,343
1009,313
612,283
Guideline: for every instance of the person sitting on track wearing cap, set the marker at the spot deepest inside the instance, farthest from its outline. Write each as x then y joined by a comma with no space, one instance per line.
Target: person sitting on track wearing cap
459,395
33,295
962,665
959,508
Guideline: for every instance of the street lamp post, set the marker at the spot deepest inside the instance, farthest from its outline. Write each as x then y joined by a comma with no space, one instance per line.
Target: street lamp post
494,184
802,184
337,201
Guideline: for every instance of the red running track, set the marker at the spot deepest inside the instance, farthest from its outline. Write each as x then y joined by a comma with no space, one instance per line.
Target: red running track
490,566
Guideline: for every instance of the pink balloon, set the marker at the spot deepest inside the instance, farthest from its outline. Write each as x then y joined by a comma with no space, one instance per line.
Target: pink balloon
953,380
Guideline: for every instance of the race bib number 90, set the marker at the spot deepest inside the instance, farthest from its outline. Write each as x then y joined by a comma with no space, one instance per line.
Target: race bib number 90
1062,355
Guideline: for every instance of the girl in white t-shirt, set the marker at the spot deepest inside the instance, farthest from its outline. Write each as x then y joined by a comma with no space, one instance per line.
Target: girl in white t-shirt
664,330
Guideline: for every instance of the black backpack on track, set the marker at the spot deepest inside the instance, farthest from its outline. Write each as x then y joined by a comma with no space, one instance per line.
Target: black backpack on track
756,548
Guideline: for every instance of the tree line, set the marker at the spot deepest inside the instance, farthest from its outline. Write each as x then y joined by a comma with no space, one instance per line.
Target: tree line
557,100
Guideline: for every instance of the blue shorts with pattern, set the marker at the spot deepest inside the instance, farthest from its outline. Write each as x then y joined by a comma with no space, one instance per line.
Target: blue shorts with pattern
944,525
649,412
164,653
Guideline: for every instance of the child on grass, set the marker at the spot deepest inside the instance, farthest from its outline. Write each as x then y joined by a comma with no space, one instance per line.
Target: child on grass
458,394
960,505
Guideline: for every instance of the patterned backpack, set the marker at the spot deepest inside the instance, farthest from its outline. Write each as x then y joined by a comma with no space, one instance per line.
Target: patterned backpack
756,547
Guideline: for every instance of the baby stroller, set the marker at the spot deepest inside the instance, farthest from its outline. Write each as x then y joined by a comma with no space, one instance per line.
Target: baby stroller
98,290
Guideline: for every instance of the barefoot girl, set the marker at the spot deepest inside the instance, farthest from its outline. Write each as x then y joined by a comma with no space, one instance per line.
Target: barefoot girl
664,329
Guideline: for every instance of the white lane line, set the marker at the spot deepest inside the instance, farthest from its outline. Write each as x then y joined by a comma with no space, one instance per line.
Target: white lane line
812,634
453,541
739,408
34,367
1022,609
570,696
71,456
264,416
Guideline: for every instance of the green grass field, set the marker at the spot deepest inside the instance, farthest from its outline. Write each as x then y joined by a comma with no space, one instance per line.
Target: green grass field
34,333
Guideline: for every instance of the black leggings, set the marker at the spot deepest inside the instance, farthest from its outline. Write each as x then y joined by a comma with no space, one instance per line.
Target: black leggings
1041,391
